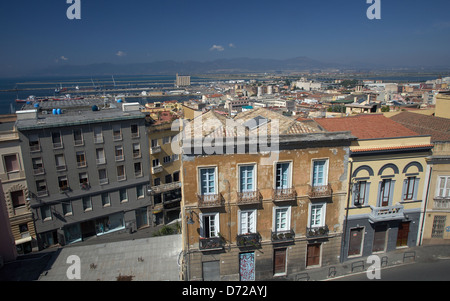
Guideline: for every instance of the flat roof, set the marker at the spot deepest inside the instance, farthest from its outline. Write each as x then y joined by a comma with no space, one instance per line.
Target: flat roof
76,112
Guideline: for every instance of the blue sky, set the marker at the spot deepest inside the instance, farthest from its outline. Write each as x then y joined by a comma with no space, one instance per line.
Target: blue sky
37,34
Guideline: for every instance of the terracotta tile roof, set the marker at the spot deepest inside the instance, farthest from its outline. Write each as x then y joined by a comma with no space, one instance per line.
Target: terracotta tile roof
366,126
437,127
359,150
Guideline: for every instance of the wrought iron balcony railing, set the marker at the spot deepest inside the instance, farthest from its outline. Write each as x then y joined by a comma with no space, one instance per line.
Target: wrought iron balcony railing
284,194
316,232
283,236
212,243
249,197
320,191
248,240
210,200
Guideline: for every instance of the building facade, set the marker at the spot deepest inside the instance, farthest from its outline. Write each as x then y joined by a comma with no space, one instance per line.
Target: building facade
87,169
250,216
12,175
387,170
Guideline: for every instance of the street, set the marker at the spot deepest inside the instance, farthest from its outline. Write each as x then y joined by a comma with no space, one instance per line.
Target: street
438,270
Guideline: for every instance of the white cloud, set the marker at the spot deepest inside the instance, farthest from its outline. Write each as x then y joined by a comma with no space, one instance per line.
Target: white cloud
61,58
217,47
231,45
121,53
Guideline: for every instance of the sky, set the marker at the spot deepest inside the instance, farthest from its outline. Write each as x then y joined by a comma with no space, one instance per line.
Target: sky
38,34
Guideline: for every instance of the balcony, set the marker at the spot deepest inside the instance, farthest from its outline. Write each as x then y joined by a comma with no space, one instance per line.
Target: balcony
248,240
284,194
319,191
283,236
157,169
317,232
209,244
386,213
38,171
249,197
166,187
155,149
210,200
441,203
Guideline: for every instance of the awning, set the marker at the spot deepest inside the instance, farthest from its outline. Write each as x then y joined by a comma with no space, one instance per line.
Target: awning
23,240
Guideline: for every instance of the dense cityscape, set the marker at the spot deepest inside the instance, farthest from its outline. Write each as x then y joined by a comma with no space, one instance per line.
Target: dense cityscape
224,149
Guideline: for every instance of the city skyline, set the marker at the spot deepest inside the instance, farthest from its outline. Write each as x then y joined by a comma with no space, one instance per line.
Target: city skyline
39,35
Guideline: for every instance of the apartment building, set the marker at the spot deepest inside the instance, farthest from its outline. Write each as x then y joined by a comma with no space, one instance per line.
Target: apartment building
12,176
436,206
87,168
251,212
165,169
387,176
182,81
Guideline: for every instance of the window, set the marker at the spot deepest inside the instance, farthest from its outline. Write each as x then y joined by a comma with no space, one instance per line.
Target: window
165,140
119,153
57,140
410,188
11,163
386,192
282,179
317,215
247,178
117,132
123,195
41,188
46,213
84,182
175,157
360,193
166,159
247,221
282,219
67,208
176,176
77,137
156,181
134,131
106,201
100,153
34,143
168,179
137,169
17,198
438,226
320,173
98,136
87,203
121,173
140,191
38,166
63,183
60,162
443,190
102,176
81,159
154,142
155,162
209,225
136,150
207,181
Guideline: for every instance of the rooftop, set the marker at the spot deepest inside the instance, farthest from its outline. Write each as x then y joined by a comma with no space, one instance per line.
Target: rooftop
73,112
367,126
437,127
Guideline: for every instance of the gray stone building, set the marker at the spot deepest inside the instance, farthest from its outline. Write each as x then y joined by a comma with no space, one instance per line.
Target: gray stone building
87,167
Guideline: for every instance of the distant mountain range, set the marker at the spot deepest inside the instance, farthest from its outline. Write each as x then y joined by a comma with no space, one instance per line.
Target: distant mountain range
236,65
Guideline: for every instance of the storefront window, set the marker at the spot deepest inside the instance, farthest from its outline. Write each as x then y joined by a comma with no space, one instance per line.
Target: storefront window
109,223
